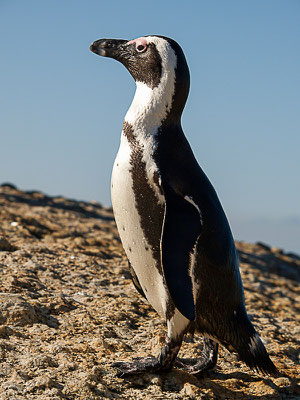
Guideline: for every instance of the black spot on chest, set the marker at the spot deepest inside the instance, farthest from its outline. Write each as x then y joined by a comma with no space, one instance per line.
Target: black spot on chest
151,212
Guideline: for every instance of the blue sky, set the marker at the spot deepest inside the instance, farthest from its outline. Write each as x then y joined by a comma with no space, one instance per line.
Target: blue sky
62,107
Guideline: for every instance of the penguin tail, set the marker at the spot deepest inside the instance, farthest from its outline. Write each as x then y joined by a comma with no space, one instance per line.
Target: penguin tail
250,347
255,355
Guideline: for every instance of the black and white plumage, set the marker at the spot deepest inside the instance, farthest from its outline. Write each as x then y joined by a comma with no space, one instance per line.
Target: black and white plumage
171,223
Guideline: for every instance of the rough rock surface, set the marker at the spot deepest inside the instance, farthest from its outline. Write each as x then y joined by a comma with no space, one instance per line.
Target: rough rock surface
68,309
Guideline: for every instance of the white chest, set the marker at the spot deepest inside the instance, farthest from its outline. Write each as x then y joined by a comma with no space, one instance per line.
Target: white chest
138,209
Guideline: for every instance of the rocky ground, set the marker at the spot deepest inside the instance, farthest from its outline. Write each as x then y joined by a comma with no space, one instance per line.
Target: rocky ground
68,309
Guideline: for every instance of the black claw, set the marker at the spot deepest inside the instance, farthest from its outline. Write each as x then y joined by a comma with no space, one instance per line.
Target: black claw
120,374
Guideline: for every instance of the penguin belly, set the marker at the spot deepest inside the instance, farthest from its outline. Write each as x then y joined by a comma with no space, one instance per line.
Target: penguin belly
141,253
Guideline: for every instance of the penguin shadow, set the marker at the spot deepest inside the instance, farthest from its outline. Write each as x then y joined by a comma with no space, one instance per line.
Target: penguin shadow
223,385
175,381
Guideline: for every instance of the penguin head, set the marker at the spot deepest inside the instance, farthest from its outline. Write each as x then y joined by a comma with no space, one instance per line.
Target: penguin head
156,61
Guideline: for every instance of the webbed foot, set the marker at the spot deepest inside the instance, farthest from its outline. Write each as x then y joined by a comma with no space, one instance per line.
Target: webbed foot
138,366
151,364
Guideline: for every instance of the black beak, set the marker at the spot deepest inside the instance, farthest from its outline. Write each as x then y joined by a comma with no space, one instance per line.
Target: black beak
113,48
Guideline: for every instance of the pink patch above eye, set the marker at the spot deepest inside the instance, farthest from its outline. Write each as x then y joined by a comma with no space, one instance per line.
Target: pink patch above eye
139,42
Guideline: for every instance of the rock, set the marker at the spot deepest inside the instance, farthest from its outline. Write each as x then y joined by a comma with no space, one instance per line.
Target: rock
68,310
5,331
40,361
5,245
282,382
40,382
8,185
264,246
15,310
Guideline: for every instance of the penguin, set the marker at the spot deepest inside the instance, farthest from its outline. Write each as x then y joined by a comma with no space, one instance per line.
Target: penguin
171,223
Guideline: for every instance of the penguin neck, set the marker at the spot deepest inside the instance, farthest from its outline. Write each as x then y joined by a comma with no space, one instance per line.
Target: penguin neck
152,107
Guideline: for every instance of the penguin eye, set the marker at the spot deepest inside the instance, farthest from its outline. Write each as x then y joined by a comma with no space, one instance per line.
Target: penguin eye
141,48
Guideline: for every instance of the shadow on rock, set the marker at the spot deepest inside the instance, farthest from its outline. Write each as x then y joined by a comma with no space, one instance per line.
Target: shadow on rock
38,199
283,265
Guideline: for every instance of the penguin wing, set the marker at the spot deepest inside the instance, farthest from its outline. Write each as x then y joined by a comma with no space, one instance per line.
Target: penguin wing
135,281
181,229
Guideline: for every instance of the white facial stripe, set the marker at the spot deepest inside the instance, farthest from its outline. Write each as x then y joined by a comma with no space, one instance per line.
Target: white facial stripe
150,106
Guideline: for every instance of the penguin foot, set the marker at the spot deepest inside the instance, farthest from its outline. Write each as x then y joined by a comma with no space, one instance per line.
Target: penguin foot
140,365
208,359
163,363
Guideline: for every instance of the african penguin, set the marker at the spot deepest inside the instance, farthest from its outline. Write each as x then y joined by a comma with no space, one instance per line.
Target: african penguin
171,223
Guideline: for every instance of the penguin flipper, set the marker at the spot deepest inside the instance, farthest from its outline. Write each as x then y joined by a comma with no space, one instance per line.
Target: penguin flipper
136,281
181,229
